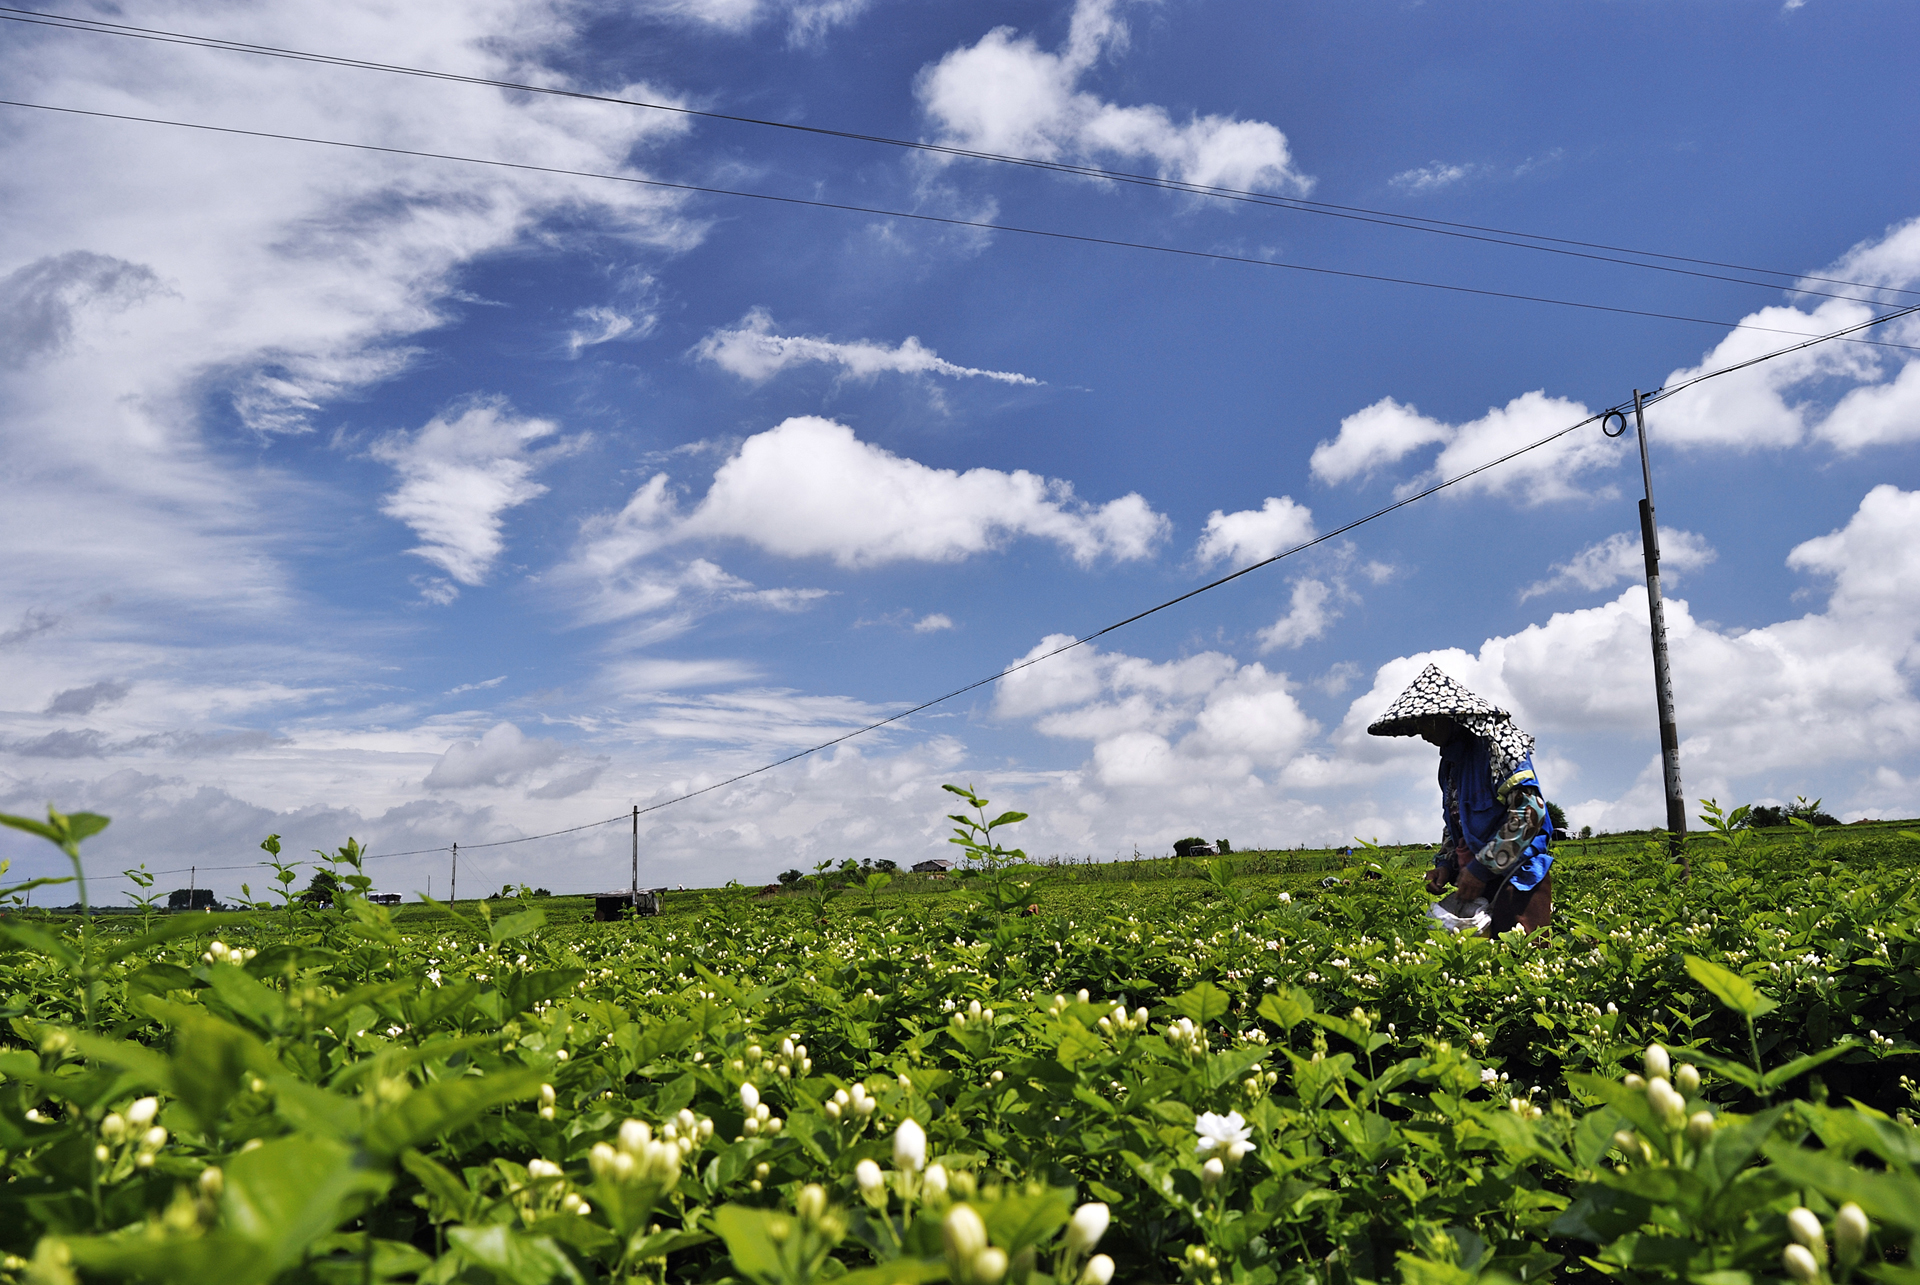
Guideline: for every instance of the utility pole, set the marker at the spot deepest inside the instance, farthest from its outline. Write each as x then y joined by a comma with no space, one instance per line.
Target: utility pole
193,884
1662,677
454,894
634,889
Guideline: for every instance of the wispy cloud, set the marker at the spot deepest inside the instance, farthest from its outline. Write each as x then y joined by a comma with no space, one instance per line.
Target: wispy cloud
1619,557
1431,178
475,687
754,352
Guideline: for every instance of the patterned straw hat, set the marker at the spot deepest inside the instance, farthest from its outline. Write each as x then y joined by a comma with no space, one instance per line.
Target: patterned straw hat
1435,693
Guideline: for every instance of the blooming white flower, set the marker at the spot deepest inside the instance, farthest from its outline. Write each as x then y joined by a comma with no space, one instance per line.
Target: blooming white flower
910,1146
1226,1133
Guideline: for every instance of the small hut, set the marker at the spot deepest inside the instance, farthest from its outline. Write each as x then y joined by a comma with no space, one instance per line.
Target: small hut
610,906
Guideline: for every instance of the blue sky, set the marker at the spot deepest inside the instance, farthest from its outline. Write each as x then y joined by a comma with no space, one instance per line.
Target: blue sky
427,502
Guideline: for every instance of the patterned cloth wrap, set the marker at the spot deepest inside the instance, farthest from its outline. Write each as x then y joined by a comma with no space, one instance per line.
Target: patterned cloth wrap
1518,848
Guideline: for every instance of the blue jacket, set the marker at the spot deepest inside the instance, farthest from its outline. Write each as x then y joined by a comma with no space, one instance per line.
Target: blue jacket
1473,813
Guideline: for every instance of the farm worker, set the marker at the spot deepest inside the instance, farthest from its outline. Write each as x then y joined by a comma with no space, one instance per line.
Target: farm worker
1498,833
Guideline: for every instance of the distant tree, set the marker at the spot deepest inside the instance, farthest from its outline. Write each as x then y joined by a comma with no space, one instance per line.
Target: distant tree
179,899
541,892
1810,812
1764,815
790,877
886,866
1222,847
1586,832
1559,815
321,888
1185,847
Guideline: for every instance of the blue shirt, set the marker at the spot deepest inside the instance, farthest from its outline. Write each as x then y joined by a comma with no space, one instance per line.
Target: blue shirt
1473,812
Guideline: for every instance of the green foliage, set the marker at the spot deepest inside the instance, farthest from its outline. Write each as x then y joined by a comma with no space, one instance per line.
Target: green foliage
513,1095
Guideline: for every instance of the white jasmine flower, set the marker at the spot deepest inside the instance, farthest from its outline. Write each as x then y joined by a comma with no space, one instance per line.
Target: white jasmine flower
1227,1134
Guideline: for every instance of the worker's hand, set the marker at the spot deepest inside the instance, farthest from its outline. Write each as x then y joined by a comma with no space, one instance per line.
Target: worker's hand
1472,888
1437,880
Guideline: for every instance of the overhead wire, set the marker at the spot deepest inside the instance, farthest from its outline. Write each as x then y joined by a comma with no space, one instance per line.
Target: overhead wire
1407,222
947,220
1647,399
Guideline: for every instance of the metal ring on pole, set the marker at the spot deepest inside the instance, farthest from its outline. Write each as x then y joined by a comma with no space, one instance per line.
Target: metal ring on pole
1607,421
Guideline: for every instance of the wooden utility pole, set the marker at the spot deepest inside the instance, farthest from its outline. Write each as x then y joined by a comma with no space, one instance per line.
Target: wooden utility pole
1662,676
633,889
453,895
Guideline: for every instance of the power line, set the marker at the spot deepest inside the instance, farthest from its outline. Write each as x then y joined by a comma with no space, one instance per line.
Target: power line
1646,400
1362,214
947,220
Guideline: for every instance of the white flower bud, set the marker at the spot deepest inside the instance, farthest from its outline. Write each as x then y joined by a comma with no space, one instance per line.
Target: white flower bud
141,1113
833,1110
1800,1264
910,1146
634,1135
964,1235
1087,1226
543,1170
1666,1103
1635,1082
936,1181
154,1139
546,1095
1700,1127
211,1181
872,1183
811,1203
113,1128
1099,1268
990,1266
1850,1232
1657,1064
1806,1229
1212,1172
1686,1078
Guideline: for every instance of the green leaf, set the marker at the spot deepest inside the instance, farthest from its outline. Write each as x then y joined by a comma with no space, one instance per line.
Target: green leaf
750,1241
1286,1009
441,1185
84,825
445,1106
1887,1197
514,1257
1203,1004
1018,1220
40,828
285,1194
1801,1065
1731,989
906,1271
1006,818
517,925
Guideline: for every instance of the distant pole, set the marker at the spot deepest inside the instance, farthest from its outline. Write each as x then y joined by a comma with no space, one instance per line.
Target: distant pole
193,883
454,894
634,889
1662,676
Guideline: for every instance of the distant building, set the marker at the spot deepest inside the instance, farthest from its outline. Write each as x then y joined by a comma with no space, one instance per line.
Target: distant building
933,866
611,906
385,898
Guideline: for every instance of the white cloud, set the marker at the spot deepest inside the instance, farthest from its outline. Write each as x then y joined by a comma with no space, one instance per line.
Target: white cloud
807,20
753,352
1618,557
1006,94
1308,616
1252,535
1387,431
154,274
603,325
1431,178
810,488
476,687
457,477
933,623
503,754
1373,437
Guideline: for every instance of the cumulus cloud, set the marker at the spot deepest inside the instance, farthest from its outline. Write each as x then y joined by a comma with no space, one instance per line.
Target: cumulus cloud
458,475
1159,725
1851,396
1388,431
810,488
933,623
1251,535
1006,94
1309,615
502,755
1619,557
755,353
